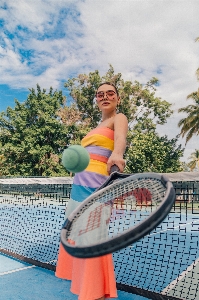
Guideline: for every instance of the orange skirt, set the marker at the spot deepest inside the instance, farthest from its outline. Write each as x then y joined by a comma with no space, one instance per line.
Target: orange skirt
92,278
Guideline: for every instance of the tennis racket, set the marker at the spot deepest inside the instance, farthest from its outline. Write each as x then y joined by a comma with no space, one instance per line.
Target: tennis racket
122,211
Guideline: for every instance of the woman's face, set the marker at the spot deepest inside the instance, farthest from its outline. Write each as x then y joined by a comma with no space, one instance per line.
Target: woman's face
107,98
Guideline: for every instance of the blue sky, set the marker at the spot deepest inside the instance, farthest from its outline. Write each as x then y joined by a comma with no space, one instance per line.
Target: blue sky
48,41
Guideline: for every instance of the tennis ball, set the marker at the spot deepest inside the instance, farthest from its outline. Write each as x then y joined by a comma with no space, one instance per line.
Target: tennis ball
75,158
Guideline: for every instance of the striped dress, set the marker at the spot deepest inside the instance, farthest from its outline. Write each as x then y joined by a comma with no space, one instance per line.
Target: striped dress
91,278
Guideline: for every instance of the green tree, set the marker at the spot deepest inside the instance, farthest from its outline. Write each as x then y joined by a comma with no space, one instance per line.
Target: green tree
144,111
82,91
2,161
148,152
138,102
77,127
32,135
190,124
185,167
194,160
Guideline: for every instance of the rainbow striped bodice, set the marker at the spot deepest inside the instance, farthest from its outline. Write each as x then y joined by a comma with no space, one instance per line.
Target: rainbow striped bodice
100,143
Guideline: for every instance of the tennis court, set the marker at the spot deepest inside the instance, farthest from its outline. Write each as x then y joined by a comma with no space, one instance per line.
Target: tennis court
163,265
27,282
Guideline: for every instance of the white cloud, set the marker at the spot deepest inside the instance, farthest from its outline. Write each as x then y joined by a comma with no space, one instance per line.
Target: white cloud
37,16
140,38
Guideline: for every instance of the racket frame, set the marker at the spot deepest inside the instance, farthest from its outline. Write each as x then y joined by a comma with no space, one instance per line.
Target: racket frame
130,236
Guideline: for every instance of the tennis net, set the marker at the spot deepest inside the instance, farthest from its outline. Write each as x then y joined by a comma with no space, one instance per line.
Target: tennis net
162,265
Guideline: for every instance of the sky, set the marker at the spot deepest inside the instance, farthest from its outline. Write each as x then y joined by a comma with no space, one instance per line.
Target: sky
49,41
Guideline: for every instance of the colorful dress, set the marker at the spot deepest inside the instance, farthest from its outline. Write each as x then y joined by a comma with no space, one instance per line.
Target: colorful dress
92,278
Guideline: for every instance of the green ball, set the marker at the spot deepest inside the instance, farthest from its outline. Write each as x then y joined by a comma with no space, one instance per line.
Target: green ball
75,158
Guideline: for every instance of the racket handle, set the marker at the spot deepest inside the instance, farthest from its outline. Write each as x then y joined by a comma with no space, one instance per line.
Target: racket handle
114,168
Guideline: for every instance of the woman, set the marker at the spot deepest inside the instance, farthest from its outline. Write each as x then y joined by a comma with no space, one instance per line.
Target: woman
93,278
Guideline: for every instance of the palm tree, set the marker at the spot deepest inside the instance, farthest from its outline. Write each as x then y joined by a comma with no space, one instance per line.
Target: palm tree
194,163
190,124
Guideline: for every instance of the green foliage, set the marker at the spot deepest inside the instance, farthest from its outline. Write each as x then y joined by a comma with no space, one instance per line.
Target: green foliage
193,163
2,162
32,136
190,124
77,127
144,111
82,90
185,167
148,152
138,102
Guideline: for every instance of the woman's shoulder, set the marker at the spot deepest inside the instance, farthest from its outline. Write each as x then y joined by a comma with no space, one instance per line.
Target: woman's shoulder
120,117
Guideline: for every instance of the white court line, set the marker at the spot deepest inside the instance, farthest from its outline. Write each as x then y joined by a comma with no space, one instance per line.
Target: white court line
180,277
16,270
189,268
22,269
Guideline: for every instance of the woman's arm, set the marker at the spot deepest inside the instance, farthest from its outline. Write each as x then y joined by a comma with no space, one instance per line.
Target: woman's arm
120,133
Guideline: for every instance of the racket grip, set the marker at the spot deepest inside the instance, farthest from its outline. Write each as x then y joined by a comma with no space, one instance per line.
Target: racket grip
114,168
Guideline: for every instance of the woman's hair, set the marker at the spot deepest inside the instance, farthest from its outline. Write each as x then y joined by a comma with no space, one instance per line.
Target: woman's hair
109,83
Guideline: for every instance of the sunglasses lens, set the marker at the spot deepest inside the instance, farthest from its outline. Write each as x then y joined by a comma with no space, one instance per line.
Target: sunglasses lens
109,94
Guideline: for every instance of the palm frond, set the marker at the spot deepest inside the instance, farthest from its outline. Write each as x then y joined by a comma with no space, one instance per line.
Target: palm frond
194,157
190,124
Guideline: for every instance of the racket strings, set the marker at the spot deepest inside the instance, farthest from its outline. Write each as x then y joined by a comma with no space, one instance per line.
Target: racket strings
116,210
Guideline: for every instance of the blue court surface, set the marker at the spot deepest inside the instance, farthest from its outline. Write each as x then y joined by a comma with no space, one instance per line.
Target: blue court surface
21,281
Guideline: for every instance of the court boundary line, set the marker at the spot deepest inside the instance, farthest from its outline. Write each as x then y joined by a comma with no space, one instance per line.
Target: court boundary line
180,277
34,262
16,270
21,269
